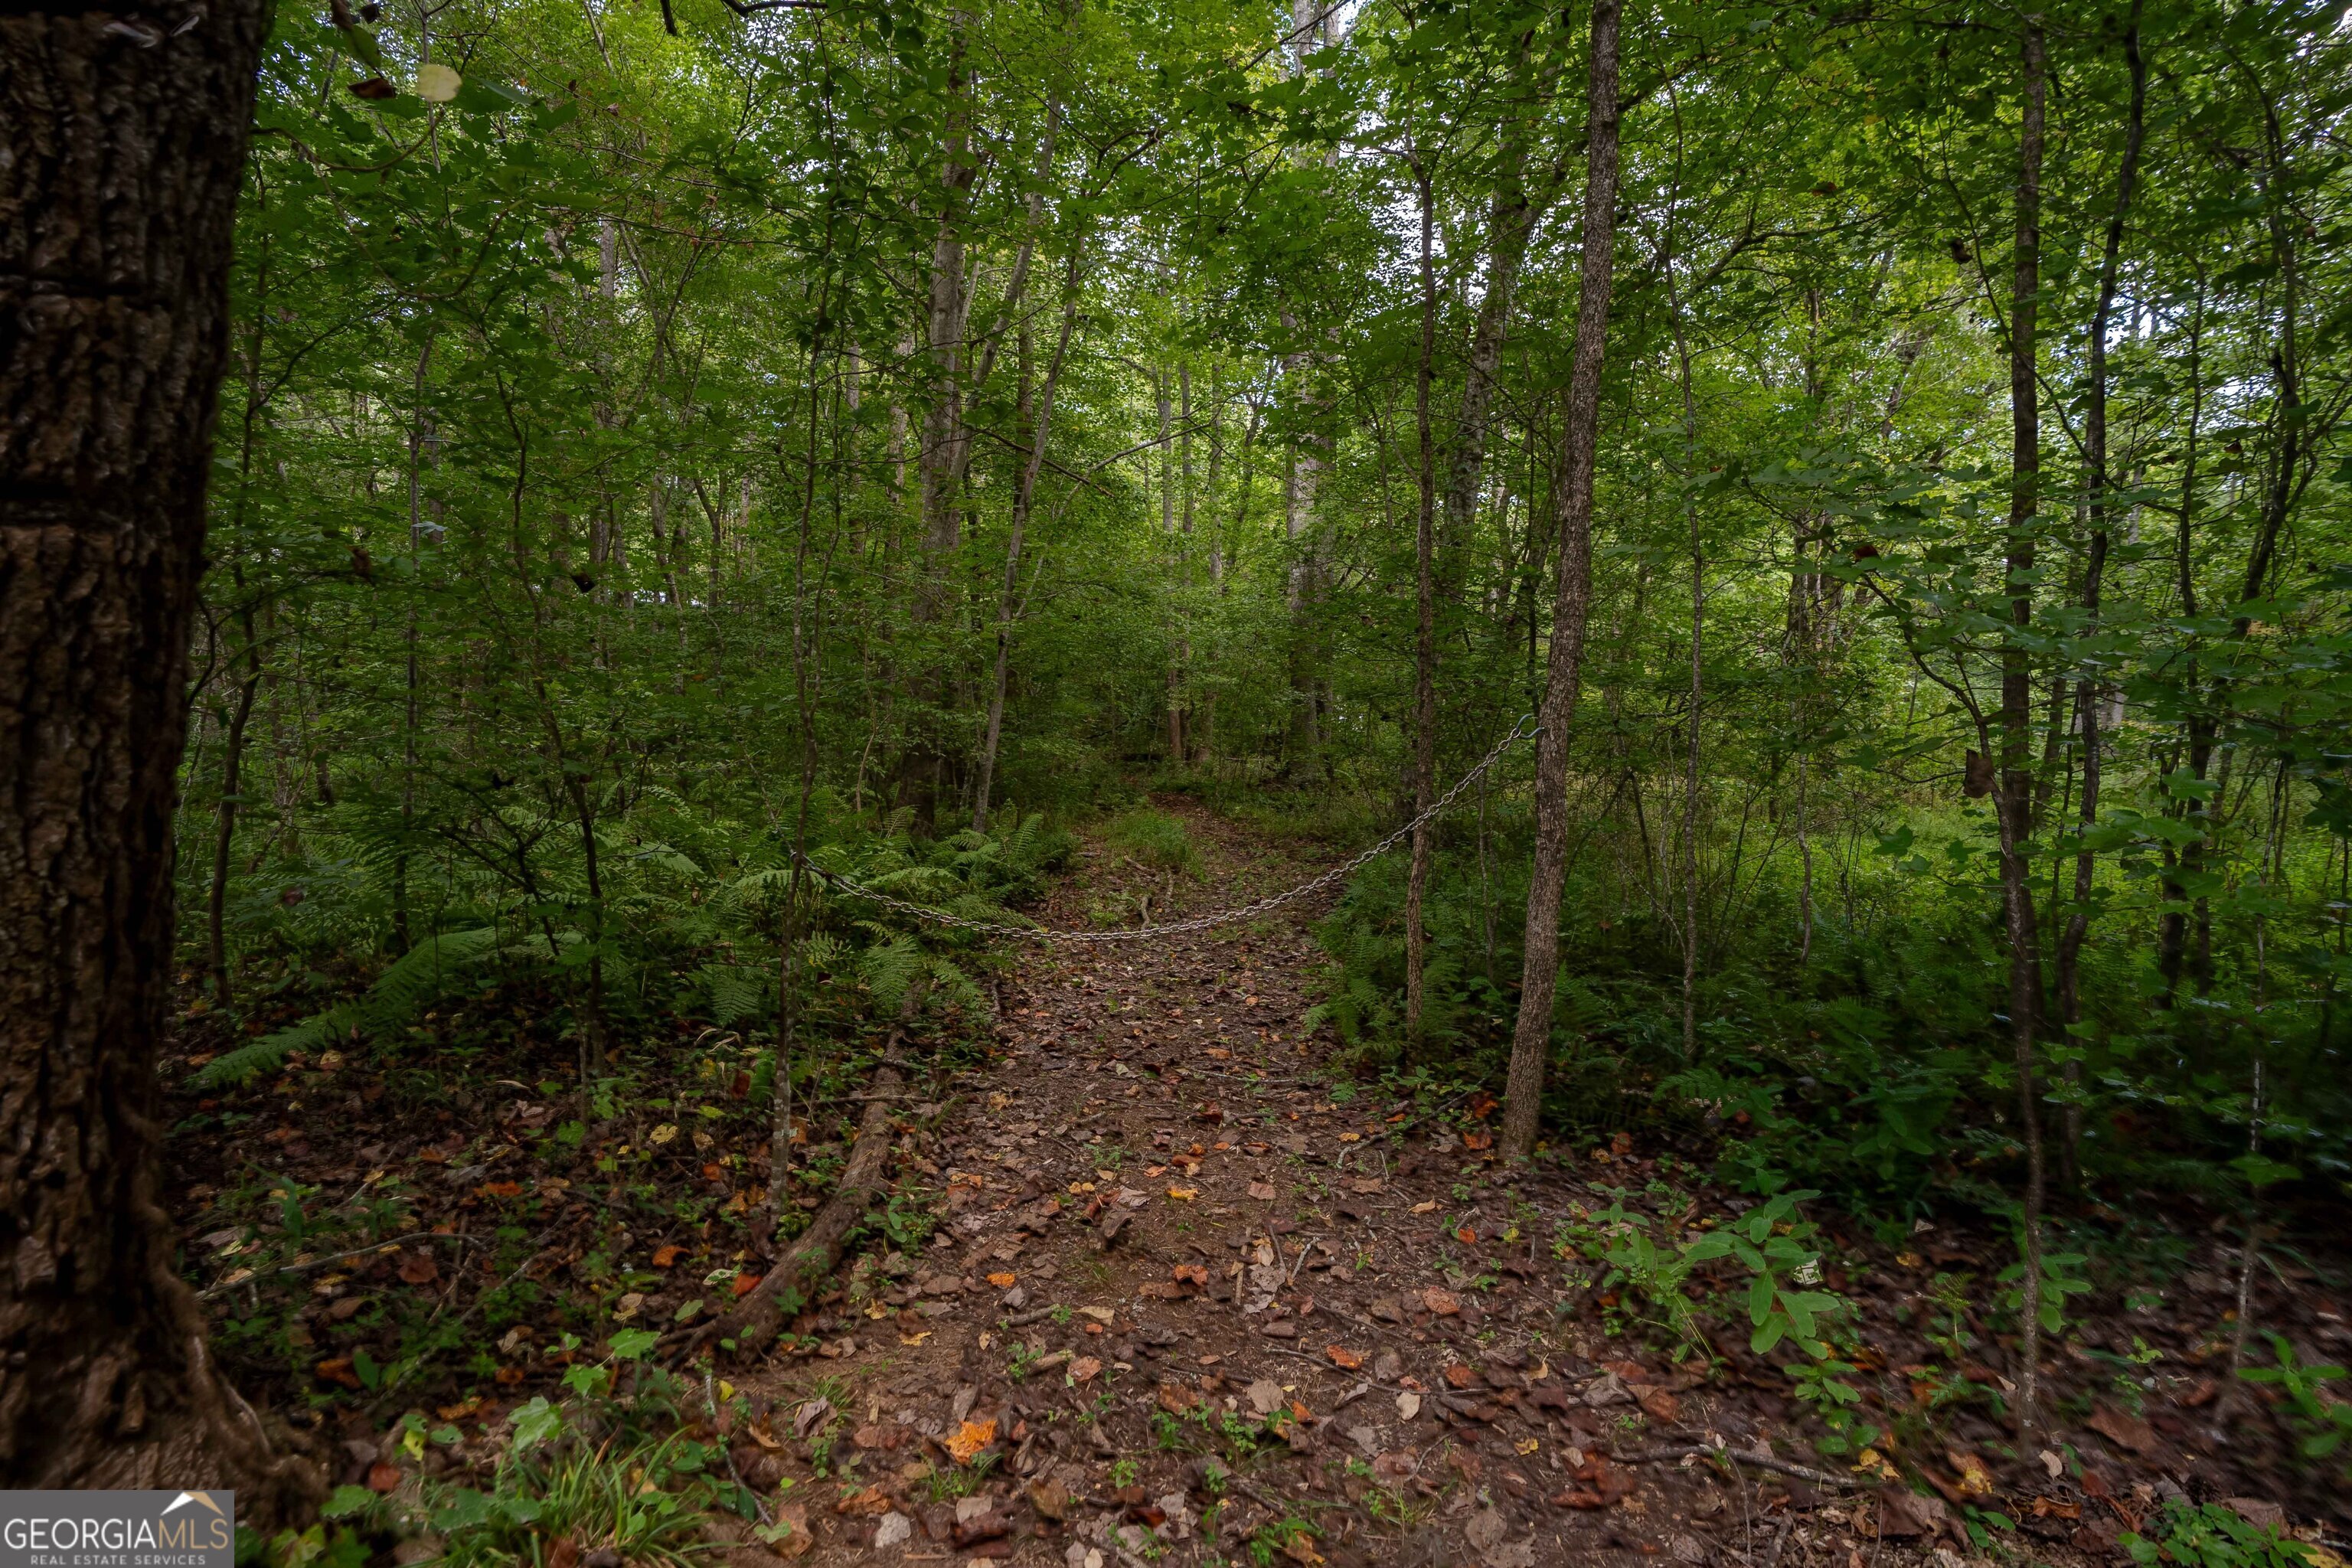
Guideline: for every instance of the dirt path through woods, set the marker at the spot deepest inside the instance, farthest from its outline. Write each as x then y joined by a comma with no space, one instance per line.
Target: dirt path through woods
1185,1305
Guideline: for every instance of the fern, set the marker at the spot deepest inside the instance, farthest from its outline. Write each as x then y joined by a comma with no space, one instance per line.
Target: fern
889,967
734,991
423,975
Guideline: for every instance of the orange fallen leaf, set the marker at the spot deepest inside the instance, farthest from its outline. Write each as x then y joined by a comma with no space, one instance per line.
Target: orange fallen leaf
383,1478
975,1436
746,1283
1183,1194
1445,1303
338,1370
1003,1279
418,1268
714,1173
1467,1236
1428,1207
1459,1376
1262,1191
1085,1368
501,1189
872,1500
666,1256
1342,1356
1479,1139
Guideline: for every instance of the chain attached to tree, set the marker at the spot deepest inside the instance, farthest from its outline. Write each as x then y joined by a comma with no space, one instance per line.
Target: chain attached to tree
1526,729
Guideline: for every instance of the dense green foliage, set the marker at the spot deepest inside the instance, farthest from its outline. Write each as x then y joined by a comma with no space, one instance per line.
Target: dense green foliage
877,428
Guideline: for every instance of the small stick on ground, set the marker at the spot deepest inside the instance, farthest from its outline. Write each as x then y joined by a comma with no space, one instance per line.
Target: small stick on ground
1762,1461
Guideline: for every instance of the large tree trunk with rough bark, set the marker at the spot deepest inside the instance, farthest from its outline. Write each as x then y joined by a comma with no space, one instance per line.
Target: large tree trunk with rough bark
125,136
1572,598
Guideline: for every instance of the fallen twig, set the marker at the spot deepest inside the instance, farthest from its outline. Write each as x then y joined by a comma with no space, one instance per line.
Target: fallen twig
1762,1461
753,1321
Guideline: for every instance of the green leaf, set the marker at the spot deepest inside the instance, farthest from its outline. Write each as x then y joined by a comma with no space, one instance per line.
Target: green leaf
1759,1298
631,1344
535,1423
348,1502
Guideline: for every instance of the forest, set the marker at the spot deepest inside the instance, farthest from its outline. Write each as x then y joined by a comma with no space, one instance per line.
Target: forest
1114,781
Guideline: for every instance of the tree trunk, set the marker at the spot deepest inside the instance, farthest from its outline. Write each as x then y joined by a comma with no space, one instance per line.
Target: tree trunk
224,825
2014,799
127,138
2086,689
1023,496
1424,636
1572,596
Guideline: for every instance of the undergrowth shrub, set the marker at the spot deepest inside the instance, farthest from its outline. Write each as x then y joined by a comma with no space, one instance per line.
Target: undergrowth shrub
1155,839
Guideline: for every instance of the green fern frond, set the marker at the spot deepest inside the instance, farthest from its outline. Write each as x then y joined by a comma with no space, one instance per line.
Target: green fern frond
423,975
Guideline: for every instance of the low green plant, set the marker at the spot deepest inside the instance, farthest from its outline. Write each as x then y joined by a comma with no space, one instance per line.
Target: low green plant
2323,1425
1156,839
2212,1536
642,1496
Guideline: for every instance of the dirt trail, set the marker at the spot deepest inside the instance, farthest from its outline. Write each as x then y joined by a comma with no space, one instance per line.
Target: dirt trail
1185,1307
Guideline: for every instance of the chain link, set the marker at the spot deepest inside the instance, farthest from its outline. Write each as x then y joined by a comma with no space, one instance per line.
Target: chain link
1524,729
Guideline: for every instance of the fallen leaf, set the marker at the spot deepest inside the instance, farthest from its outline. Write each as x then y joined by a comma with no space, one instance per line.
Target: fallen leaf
383,1478
1394,1469
418,1268
1974,1479
663,1134
1408,1405
1459,1376
915,1339
1004,1280
1263,1192
338,1370
1429,1207
1085,1368
972,1437
1658,1404
1467,1236
1099,1314
745,1284
2127,1431
1183,1194
789,1536
667,1255
1479,1139
871,1500
1445,1303
1051,1499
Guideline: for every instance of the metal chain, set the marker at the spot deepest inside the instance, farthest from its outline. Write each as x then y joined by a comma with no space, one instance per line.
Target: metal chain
1525,728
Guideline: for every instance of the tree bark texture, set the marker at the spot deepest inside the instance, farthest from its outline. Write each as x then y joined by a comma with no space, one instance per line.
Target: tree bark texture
1572,597
125,136
2014,800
